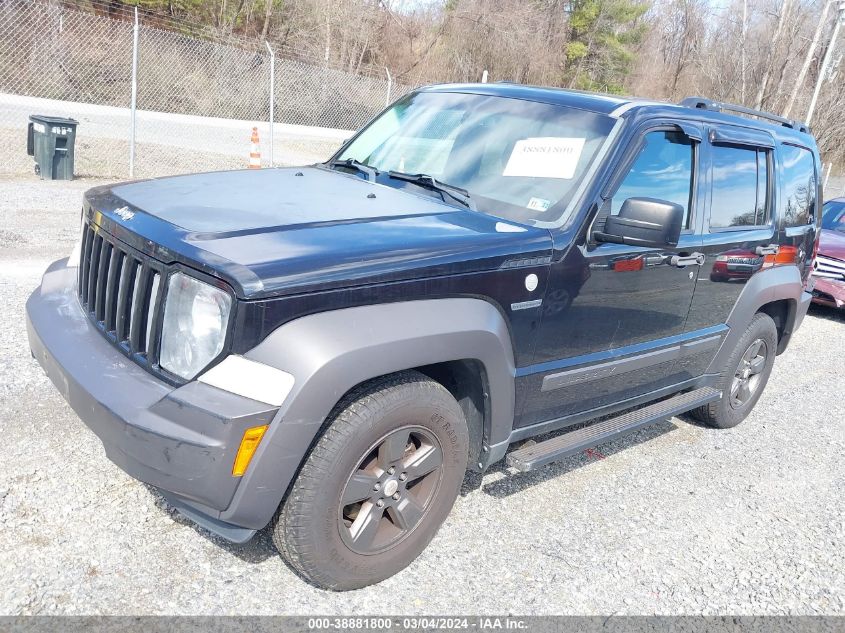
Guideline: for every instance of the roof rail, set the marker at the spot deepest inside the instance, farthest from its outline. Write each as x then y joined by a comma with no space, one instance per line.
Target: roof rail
702,103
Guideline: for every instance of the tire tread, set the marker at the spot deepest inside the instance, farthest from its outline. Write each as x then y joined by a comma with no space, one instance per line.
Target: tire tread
289,528
713,414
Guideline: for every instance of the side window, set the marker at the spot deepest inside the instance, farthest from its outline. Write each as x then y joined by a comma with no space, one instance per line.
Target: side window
799,185
663,170
740,178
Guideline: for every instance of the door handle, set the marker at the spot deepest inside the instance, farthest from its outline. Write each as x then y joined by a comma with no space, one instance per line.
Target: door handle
687,260
769,249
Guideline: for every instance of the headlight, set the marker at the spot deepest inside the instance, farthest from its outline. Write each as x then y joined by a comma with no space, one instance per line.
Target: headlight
722,258
196,316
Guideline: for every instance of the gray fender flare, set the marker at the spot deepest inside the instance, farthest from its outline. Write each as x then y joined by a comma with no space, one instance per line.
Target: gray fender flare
331,352
766,286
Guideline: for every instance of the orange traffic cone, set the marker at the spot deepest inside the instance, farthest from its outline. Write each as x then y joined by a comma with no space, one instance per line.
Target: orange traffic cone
254,151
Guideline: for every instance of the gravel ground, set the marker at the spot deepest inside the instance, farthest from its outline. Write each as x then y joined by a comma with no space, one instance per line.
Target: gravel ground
676,519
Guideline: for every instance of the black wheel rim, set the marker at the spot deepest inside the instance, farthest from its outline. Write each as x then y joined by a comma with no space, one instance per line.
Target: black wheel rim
748,375
390,490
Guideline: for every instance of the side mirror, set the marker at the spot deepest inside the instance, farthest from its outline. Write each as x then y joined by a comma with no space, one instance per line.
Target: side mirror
644,222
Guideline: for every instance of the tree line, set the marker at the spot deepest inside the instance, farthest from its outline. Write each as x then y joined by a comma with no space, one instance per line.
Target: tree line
751,52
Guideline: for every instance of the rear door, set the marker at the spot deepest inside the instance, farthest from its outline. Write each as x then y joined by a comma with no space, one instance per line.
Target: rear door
738,229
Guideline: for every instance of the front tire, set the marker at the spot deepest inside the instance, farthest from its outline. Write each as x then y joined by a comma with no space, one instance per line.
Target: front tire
745,375
377,485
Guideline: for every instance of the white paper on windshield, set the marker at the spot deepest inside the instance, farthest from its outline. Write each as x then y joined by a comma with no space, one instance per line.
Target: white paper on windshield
545,157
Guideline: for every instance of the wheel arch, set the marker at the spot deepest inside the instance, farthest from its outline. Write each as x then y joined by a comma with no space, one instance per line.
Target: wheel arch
463,343
782,312
467,381
777,292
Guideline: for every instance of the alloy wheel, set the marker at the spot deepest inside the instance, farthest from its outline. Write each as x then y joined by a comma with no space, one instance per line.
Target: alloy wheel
747,377
390,490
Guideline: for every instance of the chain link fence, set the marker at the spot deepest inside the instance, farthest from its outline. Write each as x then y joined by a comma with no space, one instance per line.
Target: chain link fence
197,98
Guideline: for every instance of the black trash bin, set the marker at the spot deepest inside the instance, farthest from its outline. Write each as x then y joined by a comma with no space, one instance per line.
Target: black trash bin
50,140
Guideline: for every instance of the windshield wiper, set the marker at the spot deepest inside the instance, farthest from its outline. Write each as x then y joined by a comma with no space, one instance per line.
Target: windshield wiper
354,163
429,182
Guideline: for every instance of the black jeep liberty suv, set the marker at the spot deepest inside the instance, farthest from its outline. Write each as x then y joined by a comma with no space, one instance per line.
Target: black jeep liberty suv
328,349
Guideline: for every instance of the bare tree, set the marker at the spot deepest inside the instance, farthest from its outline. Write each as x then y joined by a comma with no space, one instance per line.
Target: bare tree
785,11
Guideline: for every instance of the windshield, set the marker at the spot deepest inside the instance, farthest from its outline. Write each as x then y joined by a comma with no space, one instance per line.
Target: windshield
516,159
833,216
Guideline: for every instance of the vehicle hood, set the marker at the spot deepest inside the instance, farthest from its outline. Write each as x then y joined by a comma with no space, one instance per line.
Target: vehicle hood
285,231
832,244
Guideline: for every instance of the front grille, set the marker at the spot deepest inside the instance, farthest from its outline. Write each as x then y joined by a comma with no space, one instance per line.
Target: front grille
829,267
121,290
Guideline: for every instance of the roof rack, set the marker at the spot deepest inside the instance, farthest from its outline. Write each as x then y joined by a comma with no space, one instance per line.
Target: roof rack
702,103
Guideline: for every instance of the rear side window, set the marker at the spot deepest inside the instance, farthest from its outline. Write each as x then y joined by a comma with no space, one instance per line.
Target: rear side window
799,186
740,195
663,169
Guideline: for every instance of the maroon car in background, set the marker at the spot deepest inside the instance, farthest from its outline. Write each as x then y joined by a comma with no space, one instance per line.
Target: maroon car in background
829,267
739,263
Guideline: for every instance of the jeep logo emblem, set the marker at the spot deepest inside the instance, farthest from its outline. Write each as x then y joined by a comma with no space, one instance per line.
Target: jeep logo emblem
124,213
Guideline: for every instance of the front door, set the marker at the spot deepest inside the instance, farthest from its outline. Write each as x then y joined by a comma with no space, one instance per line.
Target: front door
613,313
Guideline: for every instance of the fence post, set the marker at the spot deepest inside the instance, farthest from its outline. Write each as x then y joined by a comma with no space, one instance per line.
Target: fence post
389,86
827,177
484,77
272,96
134,103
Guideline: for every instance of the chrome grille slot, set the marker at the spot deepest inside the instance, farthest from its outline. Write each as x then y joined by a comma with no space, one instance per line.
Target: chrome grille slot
124,291
829,267
151,309
87,239
93,263
99,299
110,304
121,289
137,311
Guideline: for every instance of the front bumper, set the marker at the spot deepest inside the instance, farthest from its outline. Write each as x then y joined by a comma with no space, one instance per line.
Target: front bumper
180,440
829,293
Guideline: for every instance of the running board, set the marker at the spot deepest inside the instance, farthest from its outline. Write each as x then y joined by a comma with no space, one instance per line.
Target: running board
538,455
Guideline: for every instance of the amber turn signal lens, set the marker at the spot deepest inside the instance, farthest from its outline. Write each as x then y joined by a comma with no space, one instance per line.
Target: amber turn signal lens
786,255
628,265
251,439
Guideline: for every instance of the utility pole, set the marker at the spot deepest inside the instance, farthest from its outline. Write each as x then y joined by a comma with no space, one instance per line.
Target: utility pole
840,18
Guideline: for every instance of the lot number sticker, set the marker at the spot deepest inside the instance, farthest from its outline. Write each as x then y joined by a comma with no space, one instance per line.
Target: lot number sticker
545,157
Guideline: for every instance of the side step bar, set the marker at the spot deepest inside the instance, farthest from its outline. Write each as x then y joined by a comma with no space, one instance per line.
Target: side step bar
537,455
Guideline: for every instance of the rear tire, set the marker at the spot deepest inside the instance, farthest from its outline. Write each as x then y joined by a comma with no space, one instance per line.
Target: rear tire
377,484
745,375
